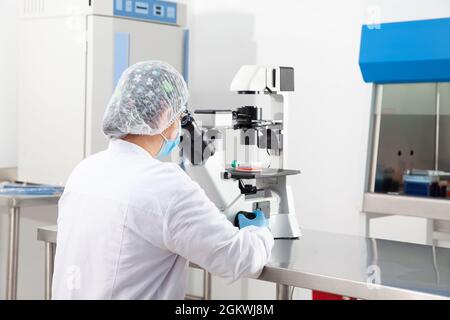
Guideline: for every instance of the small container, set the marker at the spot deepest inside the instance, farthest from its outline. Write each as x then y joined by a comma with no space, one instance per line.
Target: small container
246,167
425,184
443,189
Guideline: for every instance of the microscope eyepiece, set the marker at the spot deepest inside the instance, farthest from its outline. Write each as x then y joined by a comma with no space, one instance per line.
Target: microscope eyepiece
195,145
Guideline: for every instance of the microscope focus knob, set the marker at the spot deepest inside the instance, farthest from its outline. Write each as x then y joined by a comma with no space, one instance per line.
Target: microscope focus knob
226,175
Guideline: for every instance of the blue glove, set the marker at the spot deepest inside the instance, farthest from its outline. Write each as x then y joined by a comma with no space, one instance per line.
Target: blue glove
255,218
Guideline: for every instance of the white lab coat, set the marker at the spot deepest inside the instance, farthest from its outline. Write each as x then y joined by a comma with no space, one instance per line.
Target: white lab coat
129,223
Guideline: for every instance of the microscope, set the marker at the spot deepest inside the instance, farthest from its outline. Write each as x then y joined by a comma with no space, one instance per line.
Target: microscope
208,141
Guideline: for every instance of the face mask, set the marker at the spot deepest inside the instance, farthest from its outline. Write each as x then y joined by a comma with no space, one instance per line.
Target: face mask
169,145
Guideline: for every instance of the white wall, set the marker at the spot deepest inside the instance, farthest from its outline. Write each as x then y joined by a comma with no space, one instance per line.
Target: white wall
31,258
8,110
331,106
331,103
8,81
406,10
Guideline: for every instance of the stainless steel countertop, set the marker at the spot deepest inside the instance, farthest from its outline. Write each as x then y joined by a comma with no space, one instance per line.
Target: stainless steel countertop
352,266
360,267
28,201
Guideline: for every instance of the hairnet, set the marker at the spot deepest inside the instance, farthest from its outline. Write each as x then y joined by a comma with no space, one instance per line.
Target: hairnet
149,97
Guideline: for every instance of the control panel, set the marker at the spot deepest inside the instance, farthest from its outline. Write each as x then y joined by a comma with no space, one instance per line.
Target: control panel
158,11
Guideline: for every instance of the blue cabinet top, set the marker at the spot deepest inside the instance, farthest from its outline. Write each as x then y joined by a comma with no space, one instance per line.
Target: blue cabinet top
406,52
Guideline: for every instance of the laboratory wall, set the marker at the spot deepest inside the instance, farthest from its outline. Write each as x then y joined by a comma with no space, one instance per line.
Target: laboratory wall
8,83
31,257
8,112
330,108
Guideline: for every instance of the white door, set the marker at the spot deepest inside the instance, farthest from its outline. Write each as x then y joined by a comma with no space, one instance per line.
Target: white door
52,95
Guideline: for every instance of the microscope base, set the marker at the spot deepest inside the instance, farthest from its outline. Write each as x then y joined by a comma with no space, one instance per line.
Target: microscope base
284,226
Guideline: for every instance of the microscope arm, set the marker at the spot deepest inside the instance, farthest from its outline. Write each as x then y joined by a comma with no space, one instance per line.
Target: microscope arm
195,145
205,165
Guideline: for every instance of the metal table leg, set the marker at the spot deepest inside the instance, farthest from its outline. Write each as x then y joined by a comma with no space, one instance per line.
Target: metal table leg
207,285
283,292
50,249
13,254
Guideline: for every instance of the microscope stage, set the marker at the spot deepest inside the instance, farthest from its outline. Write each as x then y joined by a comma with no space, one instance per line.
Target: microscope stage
265,173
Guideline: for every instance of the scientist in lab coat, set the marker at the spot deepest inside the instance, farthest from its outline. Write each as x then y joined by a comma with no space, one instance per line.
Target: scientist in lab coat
128,223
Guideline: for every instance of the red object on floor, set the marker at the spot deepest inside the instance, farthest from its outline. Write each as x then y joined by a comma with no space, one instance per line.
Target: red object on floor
317,295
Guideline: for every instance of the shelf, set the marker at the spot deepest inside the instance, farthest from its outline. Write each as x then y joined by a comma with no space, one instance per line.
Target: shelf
385,204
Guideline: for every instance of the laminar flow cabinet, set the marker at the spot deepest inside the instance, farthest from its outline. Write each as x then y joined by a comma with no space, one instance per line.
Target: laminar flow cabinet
72,53
408,172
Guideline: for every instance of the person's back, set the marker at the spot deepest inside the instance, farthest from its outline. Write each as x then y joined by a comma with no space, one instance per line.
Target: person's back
106,206
121,237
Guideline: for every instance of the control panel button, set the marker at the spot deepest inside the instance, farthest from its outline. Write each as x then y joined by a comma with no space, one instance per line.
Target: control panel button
171,12
158,10
129,6
119,5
